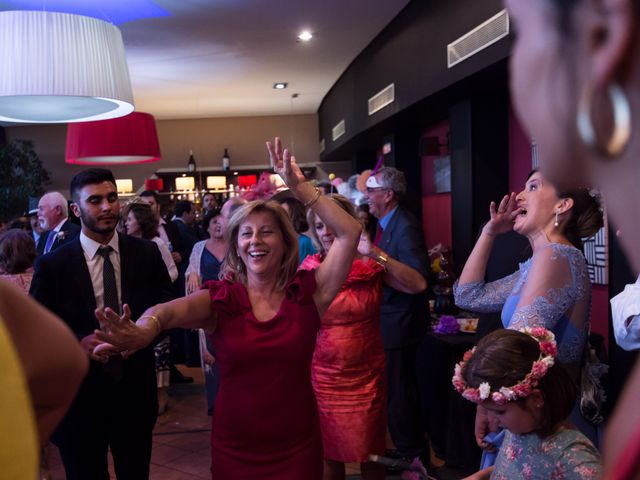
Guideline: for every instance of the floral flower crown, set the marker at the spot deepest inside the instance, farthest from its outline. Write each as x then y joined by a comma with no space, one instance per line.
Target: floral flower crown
523,388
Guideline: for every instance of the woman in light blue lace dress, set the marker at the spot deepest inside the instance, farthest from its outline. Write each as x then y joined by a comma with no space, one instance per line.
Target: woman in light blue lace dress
552,288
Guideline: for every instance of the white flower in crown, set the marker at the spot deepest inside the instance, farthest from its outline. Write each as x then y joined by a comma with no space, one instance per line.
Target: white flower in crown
508,393
484,389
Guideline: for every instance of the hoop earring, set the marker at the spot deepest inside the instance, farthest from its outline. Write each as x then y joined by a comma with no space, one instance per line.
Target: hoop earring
621,122
556,223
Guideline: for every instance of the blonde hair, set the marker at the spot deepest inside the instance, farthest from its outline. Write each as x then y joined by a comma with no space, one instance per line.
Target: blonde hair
340,200
234,269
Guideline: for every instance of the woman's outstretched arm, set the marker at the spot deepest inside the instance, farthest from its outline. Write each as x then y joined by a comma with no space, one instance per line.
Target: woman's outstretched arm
193,311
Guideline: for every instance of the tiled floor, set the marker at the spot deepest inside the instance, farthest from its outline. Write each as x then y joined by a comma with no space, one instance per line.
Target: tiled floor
181,449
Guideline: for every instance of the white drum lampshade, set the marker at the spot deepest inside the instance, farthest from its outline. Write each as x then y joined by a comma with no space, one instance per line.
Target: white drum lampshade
60,68
185,183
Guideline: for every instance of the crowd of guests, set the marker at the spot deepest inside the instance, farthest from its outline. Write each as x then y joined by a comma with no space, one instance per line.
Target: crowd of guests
305,371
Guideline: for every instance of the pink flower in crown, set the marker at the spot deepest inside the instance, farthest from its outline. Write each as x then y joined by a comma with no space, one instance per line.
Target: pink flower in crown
527,471
468,354
472,394
549,348
458,384
538,369
522,389
499,398
539,332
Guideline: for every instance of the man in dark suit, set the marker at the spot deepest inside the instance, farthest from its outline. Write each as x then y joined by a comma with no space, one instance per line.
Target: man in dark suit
404,317
53,217
117,405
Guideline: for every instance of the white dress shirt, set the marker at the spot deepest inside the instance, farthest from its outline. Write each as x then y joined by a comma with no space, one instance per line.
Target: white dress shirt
625,313
94,264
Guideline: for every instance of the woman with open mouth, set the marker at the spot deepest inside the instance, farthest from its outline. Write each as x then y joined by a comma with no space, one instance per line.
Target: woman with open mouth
552,288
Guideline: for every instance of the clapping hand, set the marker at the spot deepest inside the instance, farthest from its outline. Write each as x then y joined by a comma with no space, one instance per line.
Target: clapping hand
503,217
284,164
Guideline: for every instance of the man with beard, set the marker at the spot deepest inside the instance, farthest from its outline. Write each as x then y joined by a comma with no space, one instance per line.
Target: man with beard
116,407
53,220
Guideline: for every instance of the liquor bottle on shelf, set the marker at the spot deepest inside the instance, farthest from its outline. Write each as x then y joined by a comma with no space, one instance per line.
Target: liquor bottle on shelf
226,161
191,165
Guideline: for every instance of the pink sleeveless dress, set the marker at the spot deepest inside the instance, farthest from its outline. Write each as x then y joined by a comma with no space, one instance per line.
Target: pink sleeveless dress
347,371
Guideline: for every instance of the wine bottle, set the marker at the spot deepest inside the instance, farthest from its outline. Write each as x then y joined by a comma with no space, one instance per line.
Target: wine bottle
226,161
191,165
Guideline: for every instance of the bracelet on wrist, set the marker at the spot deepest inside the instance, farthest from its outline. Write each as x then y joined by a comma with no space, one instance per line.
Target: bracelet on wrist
155,321
315,198
381,259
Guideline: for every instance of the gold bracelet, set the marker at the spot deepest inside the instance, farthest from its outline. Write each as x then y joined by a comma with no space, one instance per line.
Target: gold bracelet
310,203
381,260
156,322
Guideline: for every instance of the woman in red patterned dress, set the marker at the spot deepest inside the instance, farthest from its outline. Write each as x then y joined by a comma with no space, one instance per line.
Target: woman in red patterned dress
348,363
263,320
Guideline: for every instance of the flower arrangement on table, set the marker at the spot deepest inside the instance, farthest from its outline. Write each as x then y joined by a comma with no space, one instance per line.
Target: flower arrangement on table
442,268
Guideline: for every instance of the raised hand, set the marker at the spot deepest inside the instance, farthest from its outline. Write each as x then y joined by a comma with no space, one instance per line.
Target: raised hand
121,332
502,218
284,164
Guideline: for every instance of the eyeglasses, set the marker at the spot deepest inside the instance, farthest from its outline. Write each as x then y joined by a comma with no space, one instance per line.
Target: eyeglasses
375,189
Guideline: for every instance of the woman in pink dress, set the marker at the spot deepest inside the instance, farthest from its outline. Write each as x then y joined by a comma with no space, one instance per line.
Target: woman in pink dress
348,363
263,321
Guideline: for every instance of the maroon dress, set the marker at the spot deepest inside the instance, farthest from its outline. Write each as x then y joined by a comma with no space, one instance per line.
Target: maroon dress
347,371
265,420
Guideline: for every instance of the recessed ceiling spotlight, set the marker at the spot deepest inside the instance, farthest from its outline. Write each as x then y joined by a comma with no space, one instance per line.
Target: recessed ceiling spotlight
280,85
305,36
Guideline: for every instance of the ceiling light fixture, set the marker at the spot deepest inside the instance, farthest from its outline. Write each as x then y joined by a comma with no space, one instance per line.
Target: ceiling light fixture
123,140
280,85
60,68
305,36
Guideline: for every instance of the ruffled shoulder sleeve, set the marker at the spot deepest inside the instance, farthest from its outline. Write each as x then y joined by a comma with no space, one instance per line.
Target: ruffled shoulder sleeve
364,270
302,287
227,298
310,262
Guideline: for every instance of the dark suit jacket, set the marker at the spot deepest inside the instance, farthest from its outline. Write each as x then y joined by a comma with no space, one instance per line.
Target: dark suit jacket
61,283
404,317
71,231
174,237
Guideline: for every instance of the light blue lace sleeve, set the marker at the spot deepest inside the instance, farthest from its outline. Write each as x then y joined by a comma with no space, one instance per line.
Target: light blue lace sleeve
485,297
555,283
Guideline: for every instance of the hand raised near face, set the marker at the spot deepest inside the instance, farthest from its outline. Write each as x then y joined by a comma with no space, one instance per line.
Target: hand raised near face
502,218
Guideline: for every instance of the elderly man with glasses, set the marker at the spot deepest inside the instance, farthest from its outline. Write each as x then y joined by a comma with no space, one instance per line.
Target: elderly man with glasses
404,317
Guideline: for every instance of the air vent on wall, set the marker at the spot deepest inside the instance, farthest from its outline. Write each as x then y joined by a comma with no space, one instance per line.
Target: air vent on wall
478,39
323,145
384,97
339,130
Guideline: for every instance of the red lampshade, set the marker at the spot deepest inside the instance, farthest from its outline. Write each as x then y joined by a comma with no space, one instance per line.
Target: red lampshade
154,184
245,181
129,139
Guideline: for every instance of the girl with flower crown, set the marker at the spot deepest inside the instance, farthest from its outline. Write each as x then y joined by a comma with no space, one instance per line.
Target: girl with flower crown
514,376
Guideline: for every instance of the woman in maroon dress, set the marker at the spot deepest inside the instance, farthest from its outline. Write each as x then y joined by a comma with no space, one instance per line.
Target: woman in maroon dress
348,363
264,318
